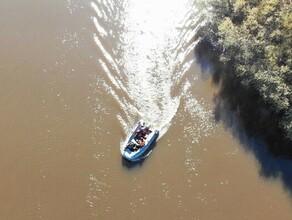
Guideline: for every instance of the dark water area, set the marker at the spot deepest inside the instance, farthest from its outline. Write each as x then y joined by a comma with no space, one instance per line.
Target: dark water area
248,118
257,117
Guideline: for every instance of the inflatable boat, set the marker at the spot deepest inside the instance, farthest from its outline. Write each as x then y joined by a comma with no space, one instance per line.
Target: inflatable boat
139,141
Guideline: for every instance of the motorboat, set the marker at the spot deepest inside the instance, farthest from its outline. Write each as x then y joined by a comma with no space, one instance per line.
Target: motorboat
139,141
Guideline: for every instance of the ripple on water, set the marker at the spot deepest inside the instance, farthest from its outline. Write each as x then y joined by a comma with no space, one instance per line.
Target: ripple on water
147,59
200,125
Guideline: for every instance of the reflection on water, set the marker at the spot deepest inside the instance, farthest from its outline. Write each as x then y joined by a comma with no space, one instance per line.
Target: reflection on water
146,56
271,167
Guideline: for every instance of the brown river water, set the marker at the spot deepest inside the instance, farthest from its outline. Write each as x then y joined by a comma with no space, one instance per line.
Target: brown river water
76,75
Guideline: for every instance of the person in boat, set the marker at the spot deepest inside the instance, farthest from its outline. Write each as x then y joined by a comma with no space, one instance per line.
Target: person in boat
141,142
145,131
142,132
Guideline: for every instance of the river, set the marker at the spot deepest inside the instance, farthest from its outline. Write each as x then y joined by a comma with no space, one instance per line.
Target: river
77,75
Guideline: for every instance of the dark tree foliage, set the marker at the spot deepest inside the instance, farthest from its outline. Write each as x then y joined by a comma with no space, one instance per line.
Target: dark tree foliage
255,37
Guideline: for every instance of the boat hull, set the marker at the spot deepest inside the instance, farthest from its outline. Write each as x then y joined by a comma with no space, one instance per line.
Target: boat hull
136,155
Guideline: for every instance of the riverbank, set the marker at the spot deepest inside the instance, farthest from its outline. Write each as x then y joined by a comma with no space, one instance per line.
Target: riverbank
255,82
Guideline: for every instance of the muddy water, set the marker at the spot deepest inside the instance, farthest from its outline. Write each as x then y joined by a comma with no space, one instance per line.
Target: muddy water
76,75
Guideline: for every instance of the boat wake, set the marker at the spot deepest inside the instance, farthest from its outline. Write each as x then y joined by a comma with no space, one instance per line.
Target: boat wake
145,58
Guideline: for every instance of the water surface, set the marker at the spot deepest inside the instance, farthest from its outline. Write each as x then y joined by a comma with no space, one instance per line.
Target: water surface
75,77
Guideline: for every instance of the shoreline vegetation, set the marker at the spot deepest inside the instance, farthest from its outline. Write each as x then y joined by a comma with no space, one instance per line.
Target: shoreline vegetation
250,44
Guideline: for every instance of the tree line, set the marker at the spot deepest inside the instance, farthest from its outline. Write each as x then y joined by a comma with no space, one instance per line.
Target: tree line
255,39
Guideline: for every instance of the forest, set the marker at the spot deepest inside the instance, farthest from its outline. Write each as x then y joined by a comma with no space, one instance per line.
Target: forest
254,40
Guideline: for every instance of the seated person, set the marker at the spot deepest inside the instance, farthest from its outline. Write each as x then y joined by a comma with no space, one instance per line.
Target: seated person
141,133
141,142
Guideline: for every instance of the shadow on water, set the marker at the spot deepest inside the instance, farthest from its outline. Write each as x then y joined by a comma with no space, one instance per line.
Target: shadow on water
130,165
271,167
247,125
